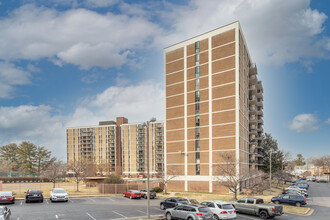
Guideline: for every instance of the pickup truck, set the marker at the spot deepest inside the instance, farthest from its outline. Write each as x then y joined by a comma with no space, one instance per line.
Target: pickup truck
256,206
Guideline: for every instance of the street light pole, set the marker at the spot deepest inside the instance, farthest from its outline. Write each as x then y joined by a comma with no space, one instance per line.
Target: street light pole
148,172
270,172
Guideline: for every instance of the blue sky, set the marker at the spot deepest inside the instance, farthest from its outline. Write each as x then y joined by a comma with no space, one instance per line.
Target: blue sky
75,62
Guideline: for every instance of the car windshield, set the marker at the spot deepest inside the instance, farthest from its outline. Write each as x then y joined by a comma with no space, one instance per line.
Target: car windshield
182,200
1,212
59,191
6,193
135,191
203,209
35,191
225,206
194,201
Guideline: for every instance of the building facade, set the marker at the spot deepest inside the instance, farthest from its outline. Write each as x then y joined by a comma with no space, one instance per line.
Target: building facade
98,146
135,140
211,90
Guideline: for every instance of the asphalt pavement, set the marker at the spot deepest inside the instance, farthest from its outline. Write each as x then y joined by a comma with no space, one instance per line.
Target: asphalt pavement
105,208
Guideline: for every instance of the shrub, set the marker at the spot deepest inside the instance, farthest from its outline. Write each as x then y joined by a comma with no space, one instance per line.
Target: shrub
158,189
114,179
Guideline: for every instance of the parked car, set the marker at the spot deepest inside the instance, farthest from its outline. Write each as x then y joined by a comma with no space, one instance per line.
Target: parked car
292,199
313,179
132,194
322,181
7,197
221,209
296,188
34,195
58,194
256,206
303,186
5,213
144,193
192,212
192,201
172,202
295,191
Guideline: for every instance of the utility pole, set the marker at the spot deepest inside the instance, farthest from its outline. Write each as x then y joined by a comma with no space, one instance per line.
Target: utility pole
270,172
148,172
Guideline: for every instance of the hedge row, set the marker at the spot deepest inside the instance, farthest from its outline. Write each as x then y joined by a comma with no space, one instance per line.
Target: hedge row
23,179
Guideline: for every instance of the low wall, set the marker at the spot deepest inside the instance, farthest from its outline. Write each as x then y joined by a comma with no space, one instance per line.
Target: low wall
0,185
121,188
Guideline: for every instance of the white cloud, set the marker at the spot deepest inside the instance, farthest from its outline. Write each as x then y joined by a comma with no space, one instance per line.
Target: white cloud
328,121
11,76
35,124
304,123
276,32
137,103
78,36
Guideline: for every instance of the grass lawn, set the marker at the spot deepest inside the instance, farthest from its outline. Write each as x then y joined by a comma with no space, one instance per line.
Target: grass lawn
71,188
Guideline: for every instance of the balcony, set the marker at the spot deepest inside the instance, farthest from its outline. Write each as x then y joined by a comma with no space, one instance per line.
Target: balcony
253,69
253,120
253,80
260,121
252,100
253,110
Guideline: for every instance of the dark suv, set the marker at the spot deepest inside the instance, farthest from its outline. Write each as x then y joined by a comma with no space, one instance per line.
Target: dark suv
292,199
34,195
144,193
172,202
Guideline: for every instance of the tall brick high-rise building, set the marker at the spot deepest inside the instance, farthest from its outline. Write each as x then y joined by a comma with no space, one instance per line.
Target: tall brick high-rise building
213,107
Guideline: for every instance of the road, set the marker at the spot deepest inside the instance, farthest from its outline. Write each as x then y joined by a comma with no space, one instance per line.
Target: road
103,208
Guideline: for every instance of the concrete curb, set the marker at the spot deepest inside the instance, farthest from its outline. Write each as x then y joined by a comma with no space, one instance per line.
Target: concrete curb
307,213
82,196
154,217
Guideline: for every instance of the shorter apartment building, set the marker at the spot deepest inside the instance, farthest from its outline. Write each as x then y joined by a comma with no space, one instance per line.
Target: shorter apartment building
136,139
98,146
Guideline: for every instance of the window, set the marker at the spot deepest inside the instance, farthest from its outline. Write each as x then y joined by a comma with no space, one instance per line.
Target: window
198,169
179,208
197,47
211,205
197,96
250,201
197,133
197,108
197,59
286,197
241,201
197,119
197,84
197,145
197,71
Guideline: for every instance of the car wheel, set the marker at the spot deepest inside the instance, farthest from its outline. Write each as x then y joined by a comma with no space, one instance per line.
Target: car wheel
298,204
130,197
162,207
216,217
190,218
26,201
263,214
168,216
66,200
42,201
277,202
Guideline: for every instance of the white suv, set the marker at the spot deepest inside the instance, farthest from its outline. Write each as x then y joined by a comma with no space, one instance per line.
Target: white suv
221,209
59,194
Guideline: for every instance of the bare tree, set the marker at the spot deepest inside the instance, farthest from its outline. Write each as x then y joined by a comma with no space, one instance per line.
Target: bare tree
227,171
79,170
54,170
324,162
165,179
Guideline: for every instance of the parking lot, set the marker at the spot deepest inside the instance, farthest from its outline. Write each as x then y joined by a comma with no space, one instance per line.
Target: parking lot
102,208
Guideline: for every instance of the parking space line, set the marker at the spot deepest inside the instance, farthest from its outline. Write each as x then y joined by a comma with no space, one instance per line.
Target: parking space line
71,201
119,214
21,202
110,199
56,216
47,201
141,211
90,216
